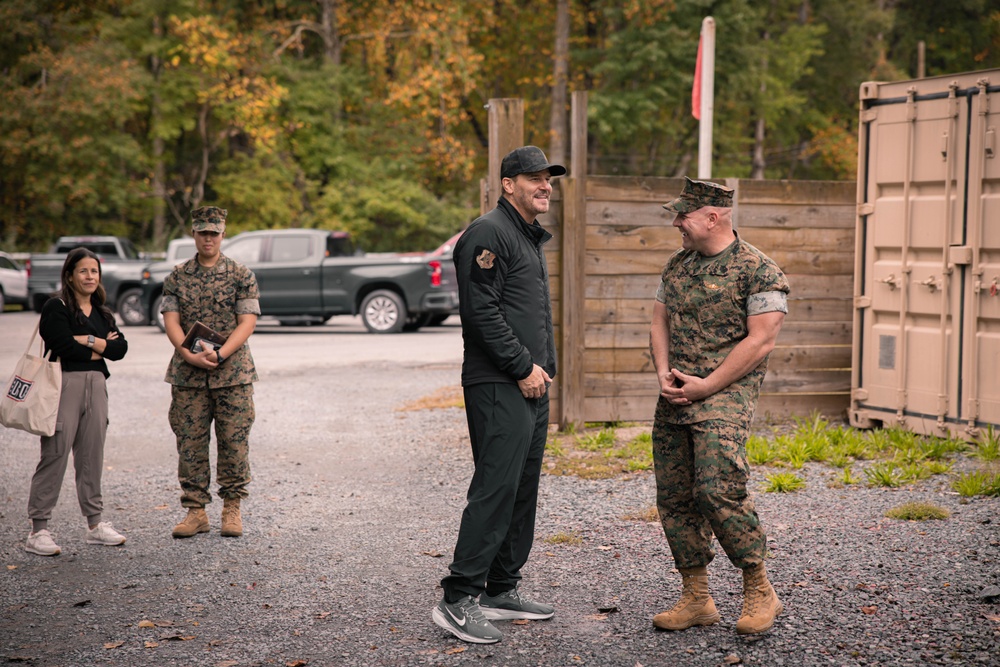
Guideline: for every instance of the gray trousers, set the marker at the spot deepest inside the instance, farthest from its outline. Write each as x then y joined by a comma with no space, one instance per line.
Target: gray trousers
81,426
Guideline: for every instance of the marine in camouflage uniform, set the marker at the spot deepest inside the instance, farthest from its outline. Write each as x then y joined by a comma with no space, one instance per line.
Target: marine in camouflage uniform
214,384
718,310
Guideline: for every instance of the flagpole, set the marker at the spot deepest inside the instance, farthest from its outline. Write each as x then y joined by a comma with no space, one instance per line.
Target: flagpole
707,89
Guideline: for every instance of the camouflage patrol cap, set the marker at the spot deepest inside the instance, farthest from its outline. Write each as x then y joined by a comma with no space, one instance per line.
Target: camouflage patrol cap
208,219
700,193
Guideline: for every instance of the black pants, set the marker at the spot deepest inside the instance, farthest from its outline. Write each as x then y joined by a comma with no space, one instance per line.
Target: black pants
508,435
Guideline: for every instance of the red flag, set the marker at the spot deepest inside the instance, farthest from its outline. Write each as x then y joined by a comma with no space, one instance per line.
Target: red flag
696,88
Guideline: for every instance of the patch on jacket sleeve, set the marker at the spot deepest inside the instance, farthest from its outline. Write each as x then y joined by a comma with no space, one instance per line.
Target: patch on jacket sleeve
484,267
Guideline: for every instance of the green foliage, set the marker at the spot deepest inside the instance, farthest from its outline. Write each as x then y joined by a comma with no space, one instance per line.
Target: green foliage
759,450
987,447
847,477
602,440
977,483
886,474
784,482
917,512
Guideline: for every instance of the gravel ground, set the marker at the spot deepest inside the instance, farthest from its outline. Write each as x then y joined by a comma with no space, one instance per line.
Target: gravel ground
350,525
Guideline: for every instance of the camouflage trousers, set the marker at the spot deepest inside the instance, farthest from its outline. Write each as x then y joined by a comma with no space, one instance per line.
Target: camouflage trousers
701,490
192,410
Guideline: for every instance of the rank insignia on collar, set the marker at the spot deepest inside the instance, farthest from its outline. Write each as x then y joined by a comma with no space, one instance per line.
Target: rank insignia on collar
485,259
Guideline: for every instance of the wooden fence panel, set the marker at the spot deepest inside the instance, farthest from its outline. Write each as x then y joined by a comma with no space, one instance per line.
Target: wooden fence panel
807,227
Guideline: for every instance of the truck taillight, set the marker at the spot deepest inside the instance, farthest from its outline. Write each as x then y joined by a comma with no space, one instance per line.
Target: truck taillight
27,267
435,272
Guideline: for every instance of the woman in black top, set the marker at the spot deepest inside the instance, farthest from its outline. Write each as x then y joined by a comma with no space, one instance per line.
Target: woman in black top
81,333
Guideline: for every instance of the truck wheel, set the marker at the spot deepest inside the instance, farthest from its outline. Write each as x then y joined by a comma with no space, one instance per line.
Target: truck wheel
130,308
3,301
383,311
157,315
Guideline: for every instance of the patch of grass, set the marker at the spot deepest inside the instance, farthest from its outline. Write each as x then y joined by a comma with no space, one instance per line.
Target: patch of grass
987,445
847,477
593,442
443,398
977,483
553,448
886,474
784,482
759,451
793,452
917,512
570,538
648,515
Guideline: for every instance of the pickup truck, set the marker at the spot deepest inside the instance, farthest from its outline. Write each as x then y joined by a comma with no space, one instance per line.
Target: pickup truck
310,275
121,272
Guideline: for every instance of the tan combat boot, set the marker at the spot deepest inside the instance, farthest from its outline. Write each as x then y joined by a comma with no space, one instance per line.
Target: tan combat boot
696,606
760,602
195,522
232,523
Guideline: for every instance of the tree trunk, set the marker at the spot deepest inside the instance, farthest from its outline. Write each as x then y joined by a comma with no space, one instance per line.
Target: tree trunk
159,167
557,126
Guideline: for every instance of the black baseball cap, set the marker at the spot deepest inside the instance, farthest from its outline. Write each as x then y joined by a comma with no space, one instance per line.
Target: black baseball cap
528,160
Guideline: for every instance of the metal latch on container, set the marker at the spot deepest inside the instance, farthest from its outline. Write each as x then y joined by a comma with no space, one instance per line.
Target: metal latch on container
959,254
862,302
867,208
991,142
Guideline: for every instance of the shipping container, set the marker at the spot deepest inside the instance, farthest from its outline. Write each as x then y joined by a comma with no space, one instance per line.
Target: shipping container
926,338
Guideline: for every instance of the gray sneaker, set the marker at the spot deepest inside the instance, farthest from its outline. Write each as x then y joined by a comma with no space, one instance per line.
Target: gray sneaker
511,606
465,620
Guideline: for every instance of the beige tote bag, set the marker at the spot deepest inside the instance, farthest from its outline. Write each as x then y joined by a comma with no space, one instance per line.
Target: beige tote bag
30,400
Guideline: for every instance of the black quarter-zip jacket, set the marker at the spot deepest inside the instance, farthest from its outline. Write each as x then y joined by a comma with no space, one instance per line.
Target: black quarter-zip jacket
503,287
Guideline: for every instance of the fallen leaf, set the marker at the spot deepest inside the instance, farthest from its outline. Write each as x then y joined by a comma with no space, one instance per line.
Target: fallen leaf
947,585
432,554
801,584
164,624
322,614
732,659
598,617
605,547
296,663
113,644
869,610
151,644
992,617
453,651
519,621
608,609
12,567
296,633
547,553
81,603
176,637
162,507
227,663
252,586
147,624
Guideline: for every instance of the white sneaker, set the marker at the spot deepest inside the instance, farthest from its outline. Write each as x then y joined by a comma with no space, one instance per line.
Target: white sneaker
41,543
104,534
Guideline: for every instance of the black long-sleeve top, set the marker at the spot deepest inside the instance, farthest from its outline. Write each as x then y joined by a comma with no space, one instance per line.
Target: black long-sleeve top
57,328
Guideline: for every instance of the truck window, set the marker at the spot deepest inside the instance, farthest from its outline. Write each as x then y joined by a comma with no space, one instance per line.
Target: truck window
245,251
7,264
129,250
291,248
339,246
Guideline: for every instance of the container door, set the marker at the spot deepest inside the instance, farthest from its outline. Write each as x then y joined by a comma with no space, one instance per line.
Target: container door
981,365
911,287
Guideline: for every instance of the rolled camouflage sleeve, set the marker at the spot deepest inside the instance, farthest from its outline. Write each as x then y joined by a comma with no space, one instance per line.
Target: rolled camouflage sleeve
248,295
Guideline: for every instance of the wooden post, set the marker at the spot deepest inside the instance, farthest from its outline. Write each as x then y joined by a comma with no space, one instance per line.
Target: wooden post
506,121
572,389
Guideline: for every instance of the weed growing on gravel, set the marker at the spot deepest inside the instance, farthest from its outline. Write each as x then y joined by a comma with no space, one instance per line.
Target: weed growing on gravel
553,448
759,451
784,482
977,483
648,515
988,446
847,477
917,512
570,538
885,474
592,442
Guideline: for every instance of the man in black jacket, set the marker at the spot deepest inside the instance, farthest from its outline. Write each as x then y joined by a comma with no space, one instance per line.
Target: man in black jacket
509,364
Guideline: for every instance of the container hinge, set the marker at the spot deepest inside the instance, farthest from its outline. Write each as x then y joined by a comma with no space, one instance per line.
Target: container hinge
862,302
911,104
991,142
869,115
959,254
866,208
